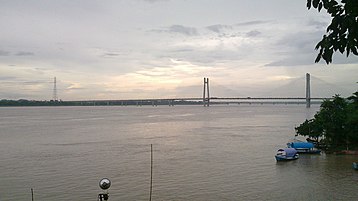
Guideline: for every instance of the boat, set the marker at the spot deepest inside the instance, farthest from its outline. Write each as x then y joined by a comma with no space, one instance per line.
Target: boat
304,147
355,165
286,154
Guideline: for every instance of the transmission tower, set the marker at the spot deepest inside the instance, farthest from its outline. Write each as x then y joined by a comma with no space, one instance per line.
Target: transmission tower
54,97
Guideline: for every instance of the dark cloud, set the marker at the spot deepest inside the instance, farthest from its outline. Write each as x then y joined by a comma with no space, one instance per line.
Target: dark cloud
23,53
255,22
292,61
308,59
111,55
295,49
253,33
190,31
6,78
218,27
321,25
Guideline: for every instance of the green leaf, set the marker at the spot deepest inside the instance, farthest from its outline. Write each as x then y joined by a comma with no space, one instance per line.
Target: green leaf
348,51
309,3
320,6
318,45
315,3
341,49
318,58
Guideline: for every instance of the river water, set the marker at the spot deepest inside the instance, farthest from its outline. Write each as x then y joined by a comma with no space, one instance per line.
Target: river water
199,153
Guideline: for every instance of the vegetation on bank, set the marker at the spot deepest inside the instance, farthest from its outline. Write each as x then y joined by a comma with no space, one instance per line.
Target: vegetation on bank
24,102
335,125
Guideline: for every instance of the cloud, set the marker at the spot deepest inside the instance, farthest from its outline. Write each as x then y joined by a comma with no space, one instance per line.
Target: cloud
296,60
308,59
111,54
318,24
218,27
75,86
23,53
154,1
4,53
6,78
253,33
122,53
255,22
189,31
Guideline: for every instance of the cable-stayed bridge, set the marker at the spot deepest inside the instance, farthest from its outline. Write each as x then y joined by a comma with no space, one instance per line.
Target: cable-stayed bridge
207,99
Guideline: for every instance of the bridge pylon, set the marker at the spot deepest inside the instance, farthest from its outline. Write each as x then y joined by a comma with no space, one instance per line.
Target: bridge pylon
206,94
308,90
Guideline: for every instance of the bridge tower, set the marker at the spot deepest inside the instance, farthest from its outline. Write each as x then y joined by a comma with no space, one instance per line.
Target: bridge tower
308,90
206,99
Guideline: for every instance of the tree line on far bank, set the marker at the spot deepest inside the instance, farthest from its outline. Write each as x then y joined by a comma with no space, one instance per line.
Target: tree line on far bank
335,125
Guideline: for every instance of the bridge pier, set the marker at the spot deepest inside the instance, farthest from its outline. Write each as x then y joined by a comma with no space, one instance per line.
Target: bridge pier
171,102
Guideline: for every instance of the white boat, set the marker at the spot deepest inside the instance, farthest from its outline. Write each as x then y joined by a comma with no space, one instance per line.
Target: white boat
286,154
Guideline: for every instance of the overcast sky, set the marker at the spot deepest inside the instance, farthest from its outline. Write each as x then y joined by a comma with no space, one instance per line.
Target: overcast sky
120,49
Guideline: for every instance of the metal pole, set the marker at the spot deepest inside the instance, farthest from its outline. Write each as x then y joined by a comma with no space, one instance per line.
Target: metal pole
151,172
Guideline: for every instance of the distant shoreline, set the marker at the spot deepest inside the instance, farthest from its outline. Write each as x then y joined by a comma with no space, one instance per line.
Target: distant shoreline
30,103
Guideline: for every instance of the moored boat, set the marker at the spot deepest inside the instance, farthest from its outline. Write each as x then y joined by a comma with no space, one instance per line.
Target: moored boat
286,154
355,165
304,147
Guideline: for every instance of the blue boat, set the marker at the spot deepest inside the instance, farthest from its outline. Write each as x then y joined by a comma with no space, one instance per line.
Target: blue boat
304,147
286,154
355,165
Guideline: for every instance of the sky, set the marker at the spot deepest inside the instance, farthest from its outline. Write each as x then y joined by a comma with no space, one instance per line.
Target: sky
136,49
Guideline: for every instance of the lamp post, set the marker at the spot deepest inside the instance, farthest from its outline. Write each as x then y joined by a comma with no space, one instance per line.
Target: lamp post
104,184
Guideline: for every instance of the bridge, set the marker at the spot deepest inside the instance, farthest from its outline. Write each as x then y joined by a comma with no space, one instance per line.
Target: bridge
198,101
208,100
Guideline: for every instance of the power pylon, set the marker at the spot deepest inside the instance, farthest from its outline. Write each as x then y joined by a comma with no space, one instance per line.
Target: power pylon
54,97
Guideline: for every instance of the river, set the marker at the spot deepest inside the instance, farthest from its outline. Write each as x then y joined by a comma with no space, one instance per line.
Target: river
199,153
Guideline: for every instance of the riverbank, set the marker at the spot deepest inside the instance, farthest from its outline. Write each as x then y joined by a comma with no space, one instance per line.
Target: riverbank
346,152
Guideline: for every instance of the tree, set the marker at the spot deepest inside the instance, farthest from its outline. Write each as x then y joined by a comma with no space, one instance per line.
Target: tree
311,128
352,119
333,117
336,122
342,33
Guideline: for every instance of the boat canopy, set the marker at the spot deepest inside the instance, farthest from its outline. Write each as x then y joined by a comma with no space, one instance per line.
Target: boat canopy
301,145
289,151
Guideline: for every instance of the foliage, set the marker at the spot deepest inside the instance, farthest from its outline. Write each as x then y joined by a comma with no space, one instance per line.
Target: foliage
336,123
342,33
352,120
